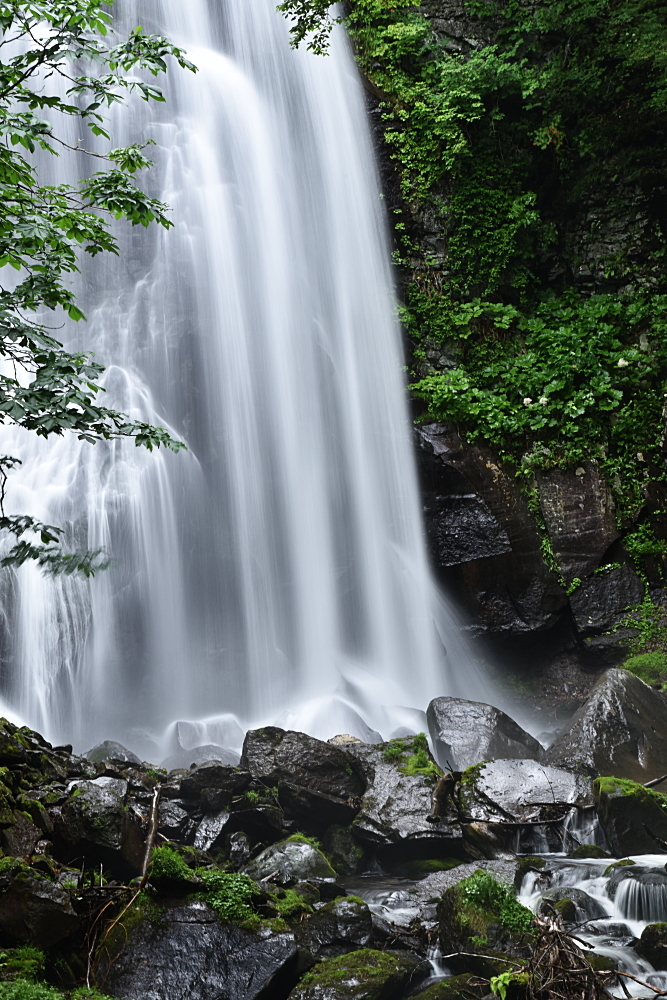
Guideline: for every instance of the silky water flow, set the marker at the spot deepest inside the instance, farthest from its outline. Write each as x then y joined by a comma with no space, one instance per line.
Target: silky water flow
276,571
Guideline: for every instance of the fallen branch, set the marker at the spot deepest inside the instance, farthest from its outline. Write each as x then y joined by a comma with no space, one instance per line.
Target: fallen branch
656,781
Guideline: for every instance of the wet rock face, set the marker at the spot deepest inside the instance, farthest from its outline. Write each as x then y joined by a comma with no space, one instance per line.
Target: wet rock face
188,954
290,861
110,750
653,945
598,604
631,816
319,783
467,732
620,730
35,911
341,926
579,514
361,975
520,791
94,821
499,573
393,817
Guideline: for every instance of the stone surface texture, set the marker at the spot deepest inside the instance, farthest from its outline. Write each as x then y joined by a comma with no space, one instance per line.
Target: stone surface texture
189,954
620,730
467,732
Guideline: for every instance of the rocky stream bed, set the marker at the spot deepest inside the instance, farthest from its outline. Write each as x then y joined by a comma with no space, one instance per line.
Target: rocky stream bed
429,866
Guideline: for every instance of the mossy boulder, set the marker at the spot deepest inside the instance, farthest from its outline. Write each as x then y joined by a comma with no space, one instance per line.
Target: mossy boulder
33,910
573,905
525,865
584,851
480,910
396,811
343,850
630,814
652,945
463,987
93,822
339,927
295,859
360,975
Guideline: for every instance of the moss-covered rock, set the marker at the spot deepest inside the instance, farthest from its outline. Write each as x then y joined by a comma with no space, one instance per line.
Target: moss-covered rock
629,813
462,987
396,811
588,851
573,905
360,975
479,911
343,850
295,859
653,945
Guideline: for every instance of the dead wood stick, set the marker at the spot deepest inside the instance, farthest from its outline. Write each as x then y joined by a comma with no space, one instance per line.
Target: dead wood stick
473,954
660,993
656,781
150,839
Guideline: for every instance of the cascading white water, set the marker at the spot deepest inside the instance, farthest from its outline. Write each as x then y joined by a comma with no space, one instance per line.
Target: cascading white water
276,571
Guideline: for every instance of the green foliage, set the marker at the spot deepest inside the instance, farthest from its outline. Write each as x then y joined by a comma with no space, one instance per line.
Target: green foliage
632,789
411,754
544,395
500,984
167,863
301,838
311,20
230,895
252,797
507,146
483,893
21,989
291,904
13,866
23,963
45,229
649,667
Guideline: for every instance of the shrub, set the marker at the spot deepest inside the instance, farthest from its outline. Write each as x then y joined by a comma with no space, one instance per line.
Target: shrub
649,667
168,864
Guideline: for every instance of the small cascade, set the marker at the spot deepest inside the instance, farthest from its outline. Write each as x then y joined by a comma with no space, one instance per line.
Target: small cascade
614,903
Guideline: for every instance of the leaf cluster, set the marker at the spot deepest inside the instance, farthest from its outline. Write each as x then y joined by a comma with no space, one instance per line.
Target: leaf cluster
60,60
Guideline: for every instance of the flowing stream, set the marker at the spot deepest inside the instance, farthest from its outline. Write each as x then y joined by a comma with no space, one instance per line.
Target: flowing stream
276,572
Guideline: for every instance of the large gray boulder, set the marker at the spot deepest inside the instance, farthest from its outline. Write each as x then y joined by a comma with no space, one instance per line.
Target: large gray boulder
186,953
292,860
35,911
319,783
601,600
631,816
110,750
521,791
396,810
467,732
620,730
94,822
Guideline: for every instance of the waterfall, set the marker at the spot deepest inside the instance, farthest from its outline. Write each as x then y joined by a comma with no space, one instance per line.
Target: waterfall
276,571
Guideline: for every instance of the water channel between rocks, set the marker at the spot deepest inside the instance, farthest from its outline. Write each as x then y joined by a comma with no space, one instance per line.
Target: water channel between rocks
612,908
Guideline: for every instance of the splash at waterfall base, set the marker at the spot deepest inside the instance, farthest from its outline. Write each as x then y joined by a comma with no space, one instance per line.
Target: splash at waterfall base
338,870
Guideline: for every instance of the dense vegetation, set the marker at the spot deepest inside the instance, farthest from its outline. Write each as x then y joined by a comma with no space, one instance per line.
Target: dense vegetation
61,62
530,151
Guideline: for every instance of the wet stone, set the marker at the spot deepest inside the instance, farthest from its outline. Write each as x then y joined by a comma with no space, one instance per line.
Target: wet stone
290,861
467,732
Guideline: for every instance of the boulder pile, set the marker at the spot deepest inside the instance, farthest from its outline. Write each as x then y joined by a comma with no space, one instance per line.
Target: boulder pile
238,881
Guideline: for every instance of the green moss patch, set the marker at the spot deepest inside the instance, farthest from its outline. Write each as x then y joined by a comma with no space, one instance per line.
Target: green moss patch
231,895
649,667
412,757
480,901
613,787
